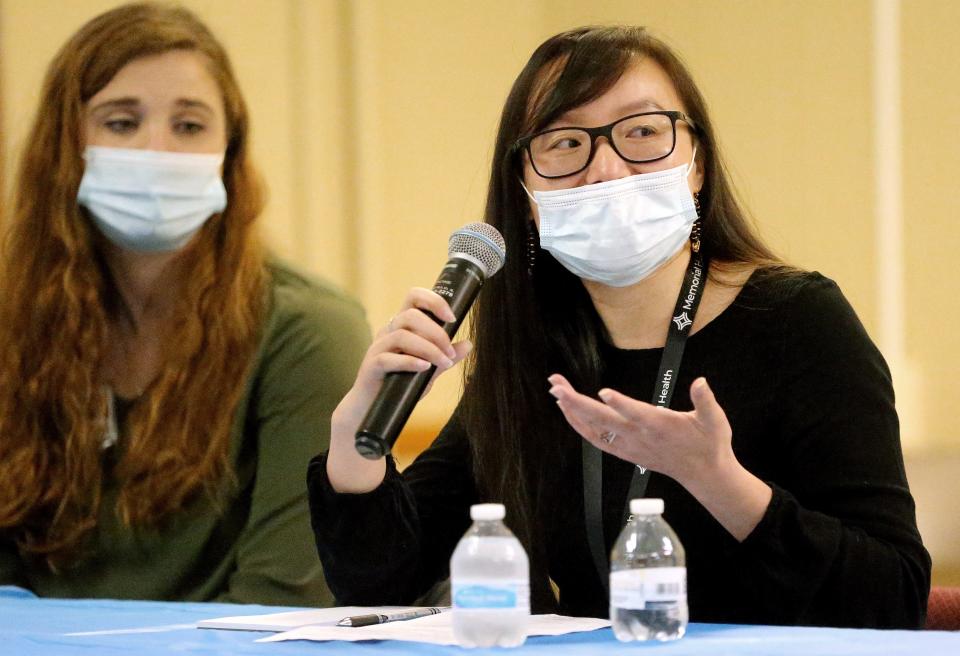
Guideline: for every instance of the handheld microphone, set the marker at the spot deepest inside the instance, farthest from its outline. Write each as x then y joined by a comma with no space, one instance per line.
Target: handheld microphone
476,251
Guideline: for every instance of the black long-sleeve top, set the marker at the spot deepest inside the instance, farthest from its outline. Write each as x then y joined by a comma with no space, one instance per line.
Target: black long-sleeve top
810,401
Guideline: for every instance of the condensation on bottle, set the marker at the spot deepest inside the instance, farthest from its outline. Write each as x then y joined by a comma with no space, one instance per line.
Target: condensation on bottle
648,577
490,583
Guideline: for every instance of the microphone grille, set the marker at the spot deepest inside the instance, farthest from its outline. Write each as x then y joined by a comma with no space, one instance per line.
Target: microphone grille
481,243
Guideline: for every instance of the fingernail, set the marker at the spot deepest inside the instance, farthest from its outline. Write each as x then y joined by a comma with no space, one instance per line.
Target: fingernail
605,395
556,392
423,365
447,363
451,352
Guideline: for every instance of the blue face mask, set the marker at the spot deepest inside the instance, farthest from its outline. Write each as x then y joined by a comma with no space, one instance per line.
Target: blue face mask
151,201
620,231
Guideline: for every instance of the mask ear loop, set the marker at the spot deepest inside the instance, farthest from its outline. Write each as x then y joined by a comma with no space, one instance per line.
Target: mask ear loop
520,180
690,165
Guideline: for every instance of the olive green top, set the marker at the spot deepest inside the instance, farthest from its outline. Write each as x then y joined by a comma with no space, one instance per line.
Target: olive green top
260,548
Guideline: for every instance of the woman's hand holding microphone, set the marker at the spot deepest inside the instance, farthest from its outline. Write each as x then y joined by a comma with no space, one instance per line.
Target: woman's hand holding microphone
410,342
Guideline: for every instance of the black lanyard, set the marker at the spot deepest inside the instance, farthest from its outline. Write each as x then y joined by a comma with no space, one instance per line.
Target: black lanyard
683,315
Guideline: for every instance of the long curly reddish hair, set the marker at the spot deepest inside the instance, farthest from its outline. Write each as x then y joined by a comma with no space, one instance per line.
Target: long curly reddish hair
56,293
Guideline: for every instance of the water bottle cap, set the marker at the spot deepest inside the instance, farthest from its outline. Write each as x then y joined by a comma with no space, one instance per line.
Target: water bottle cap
486,512
646,506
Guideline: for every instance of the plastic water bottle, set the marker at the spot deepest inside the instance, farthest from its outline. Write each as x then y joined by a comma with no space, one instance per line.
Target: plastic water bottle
648,577
490,583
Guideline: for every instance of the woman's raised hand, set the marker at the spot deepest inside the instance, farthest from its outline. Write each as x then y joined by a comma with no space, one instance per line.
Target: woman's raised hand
682,445
694,448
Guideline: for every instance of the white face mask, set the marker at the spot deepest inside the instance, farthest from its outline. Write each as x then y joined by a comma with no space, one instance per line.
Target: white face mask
146,200
618,232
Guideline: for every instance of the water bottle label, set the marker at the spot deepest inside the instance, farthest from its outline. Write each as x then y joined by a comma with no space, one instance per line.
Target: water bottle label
648,588
493,595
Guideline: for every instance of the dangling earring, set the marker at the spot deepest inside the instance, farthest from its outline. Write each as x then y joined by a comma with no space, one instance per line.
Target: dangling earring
695,230
533,246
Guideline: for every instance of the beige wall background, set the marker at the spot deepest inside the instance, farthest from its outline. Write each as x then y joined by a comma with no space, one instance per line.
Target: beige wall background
374,121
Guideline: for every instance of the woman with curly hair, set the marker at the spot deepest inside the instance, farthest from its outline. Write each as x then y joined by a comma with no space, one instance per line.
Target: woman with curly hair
162,382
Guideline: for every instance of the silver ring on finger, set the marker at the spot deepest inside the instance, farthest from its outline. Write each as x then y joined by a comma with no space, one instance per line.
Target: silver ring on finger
608,437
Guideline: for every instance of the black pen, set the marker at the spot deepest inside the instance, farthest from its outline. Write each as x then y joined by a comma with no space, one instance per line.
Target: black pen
369,620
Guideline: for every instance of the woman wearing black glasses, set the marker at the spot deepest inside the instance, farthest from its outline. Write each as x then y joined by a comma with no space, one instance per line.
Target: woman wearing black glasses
640,341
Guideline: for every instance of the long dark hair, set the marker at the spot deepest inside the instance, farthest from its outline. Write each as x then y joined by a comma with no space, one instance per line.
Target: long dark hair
526,325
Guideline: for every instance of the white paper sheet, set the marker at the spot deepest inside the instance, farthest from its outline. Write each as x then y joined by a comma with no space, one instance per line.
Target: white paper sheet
434,629
292,619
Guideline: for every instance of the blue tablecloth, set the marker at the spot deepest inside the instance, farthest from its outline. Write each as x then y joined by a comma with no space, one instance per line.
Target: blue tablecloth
44,627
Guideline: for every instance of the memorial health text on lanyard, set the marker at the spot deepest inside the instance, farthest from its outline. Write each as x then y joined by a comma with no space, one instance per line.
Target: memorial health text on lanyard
683,315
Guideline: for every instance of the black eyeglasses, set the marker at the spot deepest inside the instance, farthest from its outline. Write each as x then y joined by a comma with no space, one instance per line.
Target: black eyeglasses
637,138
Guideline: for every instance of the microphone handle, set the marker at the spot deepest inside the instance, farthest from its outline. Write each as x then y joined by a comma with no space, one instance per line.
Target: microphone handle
459,283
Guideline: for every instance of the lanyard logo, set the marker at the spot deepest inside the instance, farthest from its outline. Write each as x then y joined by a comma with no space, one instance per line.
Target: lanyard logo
682,320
